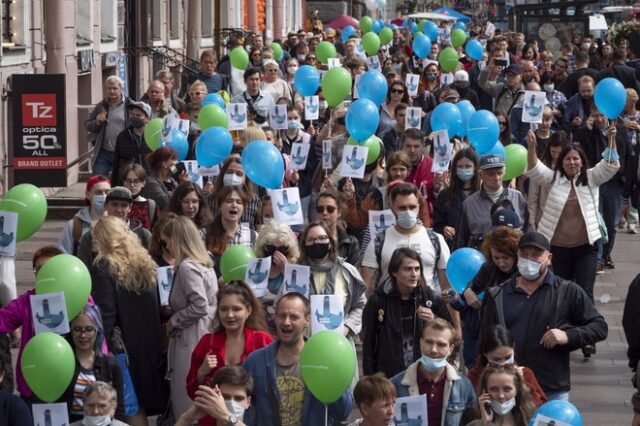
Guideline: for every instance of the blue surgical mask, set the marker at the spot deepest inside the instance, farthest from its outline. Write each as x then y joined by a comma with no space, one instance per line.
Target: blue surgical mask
407,219
503,408
232,179
294,124
432,364
465,175
97,201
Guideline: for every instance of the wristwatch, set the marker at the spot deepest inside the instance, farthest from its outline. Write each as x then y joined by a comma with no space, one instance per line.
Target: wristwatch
232,420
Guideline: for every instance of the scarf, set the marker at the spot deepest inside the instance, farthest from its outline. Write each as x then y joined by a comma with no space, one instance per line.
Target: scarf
330,267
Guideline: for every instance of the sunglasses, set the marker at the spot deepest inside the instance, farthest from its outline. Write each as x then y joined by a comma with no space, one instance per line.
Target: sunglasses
196,93
269,249
502,123
328,209
399,91
311,58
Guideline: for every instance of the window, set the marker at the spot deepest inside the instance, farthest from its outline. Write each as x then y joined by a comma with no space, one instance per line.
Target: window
13,24
156,20
175,8
207,19
83,23
108,21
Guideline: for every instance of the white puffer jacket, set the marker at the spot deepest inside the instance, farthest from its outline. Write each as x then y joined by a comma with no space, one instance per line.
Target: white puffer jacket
559,193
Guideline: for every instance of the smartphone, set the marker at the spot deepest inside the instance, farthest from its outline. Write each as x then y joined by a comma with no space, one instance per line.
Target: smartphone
487,408
178,169
500,62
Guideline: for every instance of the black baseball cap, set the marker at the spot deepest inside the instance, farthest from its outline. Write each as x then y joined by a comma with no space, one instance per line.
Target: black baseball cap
505,217
534,239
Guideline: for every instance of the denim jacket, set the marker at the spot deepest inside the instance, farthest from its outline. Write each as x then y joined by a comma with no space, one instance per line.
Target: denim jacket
458,392
263,411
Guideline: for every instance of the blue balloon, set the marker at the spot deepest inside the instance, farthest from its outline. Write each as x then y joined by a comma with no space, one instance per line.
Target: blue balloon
406,22
307,80
362,119
347,32
178,143
214,146
214,98
483,130
376,26
560,411
466,109
413,27
373,86
447,116
393,27
421,46
463,266
431,30
498,149
459,25
474,49
610,97
263,164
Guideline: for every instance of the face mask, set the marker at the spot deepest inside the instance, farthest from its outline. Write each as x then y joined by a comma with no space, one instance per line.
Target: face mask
317,251
264,62
232,179
407,219
96,420
465,175
294,124
529,269
548,88
431,76
461,85
235,408
136,122
97,201
508,361
292,70
503,408
301,58
432,364
323,104
586,46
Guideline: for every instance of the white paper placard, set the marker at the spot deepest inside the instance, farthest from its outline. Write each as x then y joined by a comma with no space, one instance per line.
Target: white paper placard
541,420
374,63
286,206
278,117
356,90
169,122
360,50
296,279
411,81
442,151
210,172
533,106
299,155
413,118
379,220
50,414
49,313
327,146
411,410
193,172
333,62
258,275
446,78
237,116
8,232
311,107
327,313
165,281
354,161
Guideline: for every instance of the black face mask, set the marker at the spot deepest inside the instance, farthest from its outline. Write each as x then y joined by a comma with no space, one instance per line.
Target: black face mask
317,251
136,122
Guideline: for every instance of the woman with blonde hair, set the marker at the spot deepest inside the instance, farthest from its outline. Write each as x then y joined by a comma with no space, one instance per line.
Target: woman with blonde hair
123,279
192,302
250,134
197,92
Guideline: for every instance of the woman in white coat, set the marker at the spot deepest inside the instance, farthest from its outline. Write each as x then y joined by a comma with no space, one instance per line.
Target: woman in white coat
569,219
192,301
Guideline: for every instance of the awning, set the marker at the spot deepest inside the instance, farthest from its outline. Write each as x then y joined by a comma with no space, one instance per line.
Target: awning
453,13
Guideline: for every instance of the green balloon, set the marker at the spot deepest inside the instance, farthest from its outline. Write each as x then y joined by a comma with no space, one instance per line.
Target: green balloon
233,262
327,365
448,59
366,24
336,85
30,204
48,365
373,143
239,58
153,133
458,37
371,43
212,115
386,35
68,274
421,23
277,51
325,50
515,161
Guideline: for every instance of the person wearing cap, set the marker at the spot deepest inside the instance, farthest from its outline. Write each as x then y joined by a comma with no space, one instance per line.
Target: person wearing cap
505,94
273,85
95,195
461,85
118,203
130,145
104,124
475,218
548,316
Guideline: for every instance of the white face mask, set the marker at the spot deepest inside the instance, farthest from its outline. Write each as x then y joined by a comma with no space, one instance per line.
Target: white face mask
529,269
323,105
232,179
97,201
407,219
235,408
503,408
96,420
292,70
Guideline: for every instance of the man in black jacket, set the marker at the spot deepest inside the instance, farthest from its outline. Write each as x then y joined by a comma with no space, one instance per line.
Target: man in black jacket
631,326
619,70
130,144
549,317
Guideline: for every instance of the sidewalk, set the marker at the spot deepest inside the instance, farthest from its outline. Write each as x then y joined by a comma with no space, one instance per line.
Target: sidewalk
601,387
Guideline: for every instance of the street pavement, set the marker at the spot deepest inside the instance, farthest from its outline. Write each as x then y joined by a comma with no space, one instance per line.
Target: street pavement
601,387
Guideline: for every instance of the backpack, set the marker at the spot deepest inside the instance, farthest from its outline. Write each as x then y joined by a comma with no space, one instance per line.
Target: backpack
378,243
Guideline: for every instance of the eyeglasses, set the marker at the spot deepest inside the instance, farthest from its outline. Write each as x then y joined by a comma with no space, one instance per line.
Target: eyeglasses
269,249
78,331
502,123
311,58
399,91
317,240
329,209
196,93
133,181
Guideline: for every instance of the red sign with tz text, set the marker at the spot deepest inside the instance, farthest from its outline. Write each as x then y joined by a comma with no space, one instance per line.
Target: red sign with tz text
39,110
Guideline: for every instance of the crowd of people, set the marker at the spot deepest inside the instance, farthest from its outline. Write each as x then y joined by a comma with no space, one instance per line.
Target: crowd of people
219,353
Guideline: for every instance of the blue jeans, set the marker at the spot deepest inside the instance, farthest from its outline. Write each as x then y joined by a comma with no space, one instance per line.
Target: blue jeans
558,396
610,202
103,163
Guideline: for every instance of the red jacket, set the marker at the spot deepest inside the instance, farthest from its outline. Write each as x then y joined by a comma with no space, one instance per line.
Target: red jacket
422,177
214,344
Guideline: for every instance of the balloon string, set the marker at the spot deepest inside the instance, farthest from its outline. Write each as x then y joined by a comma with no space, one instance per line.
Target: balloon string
326,415
614,124
331,123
